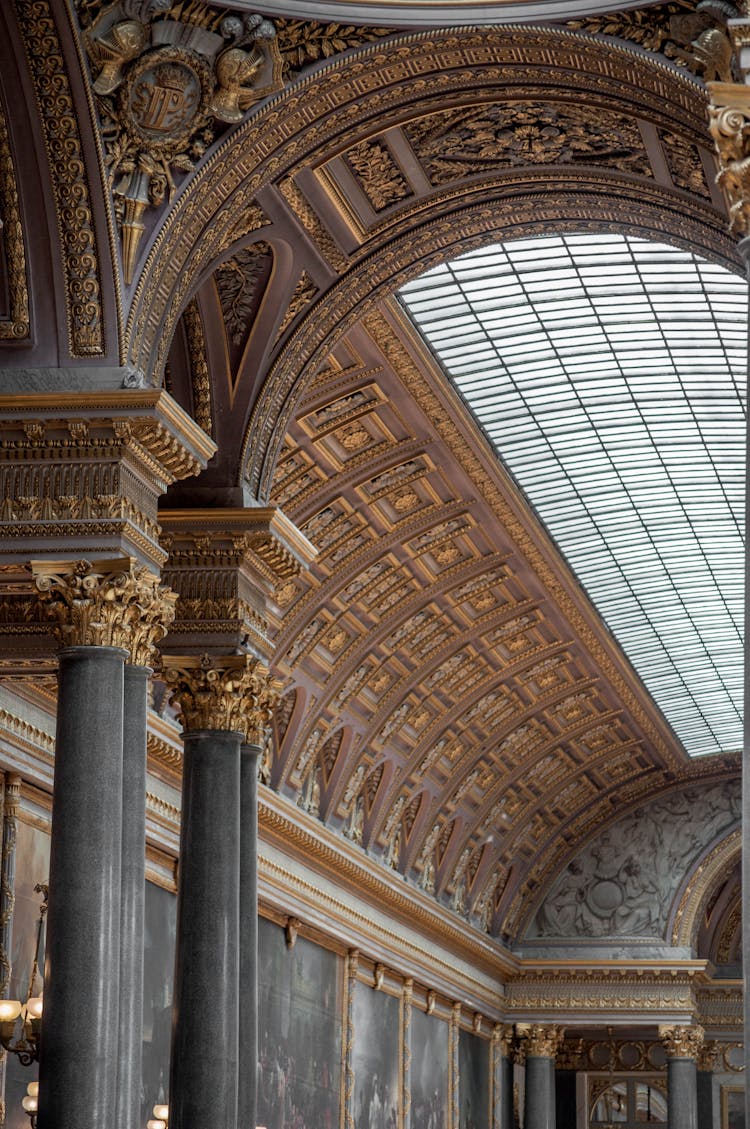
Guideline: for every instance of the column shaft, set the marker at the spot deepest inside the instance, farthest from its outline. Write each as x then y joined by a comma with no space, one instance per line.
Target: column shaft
248,981
132,897
682,1099
506,1092
204,1067
705,1099
540,1092
77,1071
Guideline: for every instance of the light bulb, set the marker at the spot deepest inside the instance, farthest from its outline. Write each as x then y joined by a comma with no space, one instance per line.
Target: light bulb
9,1010
34,1007
161,1112
29,1104
155,1123
33,1089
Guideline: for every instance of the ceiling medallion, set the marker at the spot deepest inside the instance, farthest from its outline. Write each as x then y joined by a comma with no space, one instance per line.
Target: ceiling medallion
164,86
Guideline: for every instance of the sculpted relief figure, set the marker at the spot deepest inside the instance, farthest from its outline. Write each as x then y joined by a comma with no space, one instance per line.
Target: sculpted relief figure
625,881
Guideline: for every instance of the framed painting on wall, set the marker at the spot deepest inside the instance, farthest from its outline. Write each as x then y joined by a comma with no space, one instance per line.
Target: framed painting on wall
473,1081
732,1107
375,1059
430,1037
299,1032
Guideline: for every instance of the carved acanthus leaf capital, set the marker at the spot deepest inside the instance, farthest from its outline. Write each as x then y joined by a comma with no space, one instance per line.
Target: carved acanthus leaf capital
708,1055
682,1040
113,603
729,123
540,1040
232,693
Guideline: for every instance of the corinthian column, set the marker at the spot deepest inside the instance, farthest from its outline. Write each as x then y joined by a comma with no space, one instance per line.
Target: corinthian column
214,696
540,1044
682,1043
95,608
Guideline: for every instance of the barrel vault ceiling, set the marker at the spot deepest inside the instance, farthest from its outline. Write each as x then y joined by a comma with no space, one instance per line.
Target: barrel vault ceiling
452,703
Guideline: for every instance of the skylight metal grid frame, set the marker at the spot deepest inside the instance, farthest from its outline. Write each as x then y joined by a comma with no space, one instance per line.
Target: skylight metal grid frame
609,374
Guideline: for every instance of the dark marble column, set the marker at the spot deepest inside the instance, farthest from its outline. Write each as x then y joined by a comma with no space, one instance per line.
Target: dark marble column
503,1076
540,1045
205,1031
682,1043
77,1071
132,897
248,981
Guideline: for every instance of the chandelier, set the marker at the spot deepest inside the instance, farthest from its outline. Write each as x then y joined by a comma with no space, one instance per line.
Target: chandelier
21,1023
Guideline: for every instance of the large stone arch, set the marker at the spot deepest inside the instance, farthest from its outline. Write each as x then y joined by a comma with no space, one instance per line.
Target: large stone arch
369,90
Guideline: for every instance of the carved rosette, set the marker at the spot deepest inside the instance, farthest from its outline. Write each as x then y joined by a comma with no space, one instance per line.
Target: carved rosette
539,1040
729,123
114,603
682,1040
232,693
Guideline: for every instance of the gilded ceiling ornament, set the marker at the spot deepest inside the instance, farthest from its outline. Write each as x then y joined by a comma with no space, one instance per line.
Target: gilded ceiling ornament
166,76
231,693
196,343
693,38
454,144
682,1040
380,177
729,122
241,282
112,603
302,42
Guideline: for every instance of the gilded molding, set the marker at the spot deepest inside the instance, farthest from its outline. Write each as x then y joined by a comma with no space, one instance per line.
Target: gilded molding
196,343
111,603
68,179
711,871
729,123
352,965
682,1040
232,693
18,327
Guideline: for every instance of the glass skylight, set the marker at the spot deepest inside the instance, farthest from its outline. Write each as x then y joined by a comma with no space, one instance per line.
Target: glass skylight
609,373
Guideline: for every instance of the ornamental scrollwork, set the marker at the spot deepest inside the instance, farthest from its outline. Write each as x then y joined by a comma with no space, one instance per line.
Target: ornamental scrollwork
167,77
729,122
539,1040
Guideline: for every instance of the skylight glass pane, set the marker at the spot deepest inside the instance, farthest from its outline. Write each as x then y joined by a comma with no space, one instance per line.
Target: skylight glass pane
610,374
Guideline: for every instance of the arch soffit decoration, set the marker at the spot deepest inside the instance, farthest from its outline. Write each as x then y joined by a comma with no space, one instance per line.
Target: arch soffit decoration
341,105
574,69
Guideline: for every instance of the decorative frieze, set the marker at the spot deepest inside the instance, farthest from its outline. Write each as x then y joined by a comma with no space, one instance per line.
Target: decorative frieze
224,564
81,473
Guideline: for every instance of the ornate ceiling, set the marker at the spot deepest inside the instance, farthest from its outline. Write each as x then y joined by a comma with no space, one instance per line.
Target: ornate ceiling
453,704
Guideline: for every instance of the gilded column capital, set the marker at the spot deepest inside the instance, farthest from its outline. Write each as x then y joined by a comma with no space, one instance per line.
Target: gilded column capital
111,603
569,1054
232,693
502,1037
708,1055
729,123
681,1040
540,1040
